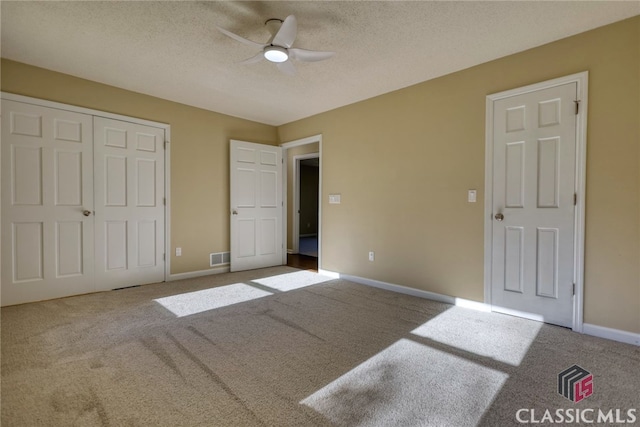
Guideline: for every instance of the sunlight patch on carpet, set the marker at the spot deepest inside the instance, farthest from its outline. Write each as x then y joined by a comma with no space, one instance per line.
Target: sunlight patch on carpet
409,384
295,280
503,338
208,299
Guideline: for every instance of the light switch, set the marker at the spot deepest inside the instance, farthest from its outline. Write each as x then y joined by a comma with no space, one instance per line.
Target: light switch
472,196
334,199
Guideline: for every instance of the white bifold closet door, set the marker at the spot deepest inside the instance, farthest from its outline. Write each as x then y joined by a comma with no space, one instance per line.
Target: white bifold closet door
82,203
47,185
129,201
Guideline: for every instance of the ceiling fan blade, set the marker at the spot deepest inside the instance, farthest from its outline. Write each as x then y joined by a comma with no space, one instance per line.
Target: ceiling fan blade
241,39
287,67
287,32
309,55
254,59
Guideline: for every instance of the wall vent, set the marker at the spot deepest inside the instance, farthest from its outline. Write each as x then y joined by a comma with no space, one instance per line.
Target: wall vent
219,258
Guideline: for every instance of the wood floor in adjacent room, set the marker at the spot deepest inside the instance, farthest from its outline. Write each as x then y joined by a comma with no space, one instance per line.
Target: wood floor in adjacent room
287,347
303,262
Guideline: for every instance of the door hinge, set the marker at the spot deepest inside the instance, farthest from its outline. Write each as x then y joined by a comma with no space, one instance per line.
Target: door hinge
577,106
165,144
163,257
164,201
574,289
575,199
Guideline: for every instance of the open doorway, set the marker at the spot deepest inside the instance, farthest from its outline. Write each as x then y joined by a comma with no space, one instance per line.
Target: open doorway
303,187
306,204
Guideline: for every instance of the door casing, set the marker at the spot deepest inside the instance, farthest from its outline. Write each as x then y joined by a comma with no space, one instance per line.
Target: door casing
285,171
581,79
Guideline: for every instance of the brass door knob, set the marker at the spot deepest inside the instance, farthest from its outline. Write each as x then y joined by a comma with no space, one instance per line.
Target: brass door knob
499,217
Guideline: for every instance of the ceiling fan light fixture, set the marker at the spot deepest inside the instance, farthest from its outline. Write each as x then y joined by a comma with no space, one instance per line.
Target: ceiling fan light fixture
276,54
279,49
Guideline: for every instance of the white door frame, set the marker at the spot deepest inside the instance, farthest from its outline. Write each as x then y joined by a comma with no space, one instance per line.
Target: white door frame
581,80
167,155
285,146
296,197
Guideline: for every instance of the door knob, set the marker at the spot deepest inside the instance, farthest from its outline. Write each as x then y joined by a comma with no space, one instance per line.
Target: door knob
86,213
499,217
234,212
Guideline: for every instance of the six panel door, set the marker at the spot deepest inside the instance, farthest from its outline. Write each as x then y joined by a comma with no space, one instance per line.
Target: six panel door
129,200
256,206
533,204
47,188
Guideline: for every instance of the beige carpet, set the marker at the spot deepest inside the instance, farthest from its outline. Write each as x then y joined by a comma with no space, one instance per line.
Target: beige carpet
285,347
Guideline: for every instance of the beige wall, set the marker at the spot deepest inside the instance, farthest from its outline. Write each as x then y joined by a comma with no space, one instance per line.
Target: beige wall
291,153
404,161
199,152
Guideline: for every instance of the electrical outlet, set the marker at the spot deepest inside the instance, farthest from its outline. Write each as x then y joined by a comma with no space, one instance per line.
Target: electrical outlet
178,251
371,256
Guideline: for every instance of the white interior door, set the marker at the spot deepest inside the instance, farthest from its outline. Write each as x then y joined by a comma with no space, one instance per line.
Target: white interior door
256,205
47,185
534,164
129,203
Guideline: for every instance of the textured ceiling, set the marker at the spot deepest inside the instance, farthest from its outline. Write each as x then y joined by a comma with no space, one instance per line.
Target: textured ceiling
172,50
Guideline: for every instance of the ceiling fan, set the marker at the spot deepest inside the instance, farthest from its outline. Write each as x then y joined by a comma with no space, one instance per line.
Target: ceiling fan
278,49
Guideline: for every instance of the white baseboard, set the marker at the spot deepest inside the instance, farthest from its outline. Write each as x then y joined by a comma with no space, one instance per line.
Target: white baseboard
611,334
199,273
460,302
290,251
328,273
588,329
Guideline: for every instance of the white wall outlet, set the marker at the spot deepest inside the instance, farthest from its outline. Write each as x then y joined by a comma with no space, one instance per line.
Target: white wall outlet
472,196
372,256
334,199
178,251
